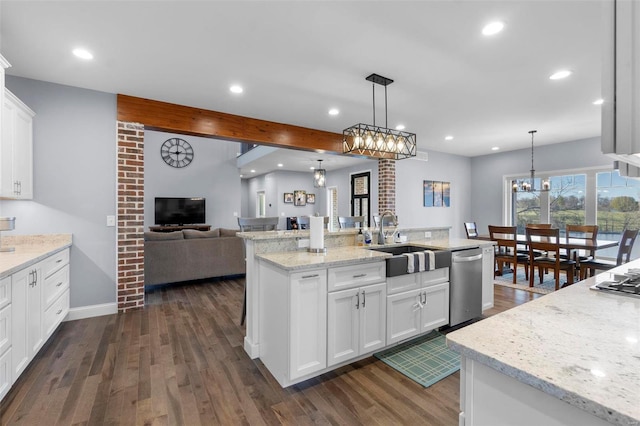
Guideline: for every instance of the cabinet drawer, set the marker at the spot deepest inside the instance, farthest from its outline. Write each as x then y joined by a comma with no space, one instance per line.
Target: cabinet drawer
5,373
5,291
55,262
55,284
5,328
401,283
440,275
344,277
56,313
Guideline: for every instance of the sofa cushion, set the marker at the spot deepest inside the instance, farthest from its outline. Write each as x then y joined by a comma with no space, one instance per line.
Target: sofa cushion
156,236
228,232
194,233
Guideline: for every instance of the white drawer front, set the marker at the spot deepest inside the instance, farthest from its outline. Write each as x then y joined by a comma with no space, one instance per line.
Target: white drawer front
5,291
5,328
402,283
344,277
5,373
436,276
55,284
54,315
55,262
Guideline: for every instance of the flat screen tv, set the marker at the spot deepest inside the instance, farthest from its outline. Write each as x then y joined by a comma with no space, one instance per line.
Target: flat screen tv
179,211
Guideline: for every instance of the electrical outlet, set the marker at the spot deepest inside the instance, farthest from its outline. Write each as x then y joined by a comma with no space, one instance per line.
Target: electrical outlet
235,214
111,220
427,234
303,243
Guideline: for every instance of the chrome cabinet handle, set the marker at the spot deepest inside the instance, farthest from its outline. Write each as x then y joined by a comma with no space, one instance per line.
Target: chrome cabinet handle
58,313
357,300
359,275
310,276
425,298
59,284
30,278
364,298
59,260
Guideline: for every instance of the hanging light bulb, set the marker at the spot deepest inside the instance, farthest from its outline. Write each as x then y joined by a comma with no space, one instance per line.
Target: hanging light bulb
319,176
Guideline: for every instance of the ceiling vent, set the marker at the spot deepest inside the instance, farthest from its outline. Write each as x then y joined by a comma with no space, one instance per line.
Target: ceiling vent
422,156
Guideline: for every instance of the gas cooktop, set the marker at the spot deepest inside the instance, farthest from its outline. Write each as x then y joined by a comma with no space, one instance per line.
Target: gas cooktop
627,284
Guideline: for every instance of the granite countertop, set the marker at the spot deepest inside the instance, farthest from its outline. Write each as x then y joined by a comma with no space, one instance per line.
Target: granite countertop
578,345
304,233
30,249
337,256
452,244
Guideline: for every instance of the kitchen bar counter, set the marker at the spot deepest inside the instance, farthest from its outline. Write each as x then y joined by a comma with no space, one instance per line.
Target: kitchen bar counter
30,249
577,345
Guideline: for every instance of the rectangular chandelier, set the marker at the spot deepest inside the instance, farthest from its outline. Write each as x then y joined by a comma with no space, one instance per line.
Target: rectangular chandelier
376,141
379,142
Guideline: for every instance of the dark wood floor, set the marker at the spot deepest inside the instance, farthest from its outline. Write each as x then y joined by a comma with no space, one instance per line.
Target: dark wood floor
180,361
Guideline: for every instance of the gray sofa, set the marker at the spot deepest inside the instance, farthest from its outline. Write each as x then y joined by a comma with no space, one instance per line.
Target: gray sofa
190,255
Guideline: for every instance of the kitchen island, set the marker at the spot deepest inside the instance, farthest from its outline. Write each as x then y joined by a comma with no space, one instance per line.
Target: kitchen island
570,357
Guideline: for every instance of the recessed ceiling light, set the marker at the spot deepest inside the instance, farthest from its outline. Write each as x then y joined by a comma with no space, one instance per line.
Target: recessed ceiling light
560,75
241,175
493,28
236,89
280,165
82,54
334,111
448,138
400,127
495,148
598,102
253,171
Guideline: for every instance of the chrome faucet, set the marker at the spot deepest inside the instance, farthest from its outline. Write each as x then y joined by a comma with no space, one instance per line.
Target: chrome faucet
381,237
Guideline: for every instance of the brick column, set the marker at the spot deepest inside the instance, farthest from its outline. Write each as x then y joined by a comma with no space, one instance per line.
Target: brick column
386,185
130,207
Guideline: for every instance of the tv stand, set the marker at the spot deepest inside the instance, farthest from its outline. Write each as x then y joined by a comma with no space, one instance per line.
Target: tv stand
171,228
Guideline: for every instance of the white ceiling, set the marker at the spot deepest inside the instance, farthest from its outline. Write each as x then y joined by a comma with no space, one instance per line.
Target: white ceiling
298,59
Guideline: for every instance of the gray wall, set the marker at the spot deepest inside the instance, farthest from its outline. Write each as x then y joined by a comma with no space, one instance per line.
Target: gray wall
74,169
410,175
212,174
488,173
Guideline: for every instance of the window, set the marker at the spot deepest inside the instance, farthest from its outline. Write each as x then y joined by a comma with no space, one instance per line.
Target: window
526,208
566,201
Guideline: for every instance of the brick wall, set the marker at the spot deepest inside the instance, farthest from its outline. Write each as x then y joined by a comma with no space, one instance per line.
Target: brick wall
130,207
386,185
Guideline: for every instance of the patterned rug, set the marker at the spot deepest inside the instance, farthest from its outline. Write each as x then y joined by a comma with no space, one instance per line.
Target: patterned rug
425,360
548,282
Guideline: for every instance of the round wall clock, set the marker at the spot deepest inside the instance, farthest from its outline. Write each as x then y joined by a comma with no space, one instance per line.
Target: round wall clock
176,152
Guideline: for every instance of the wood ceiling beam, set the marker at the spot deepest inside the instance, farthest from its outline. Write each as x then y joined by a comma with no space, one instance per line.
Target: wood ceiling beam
163,116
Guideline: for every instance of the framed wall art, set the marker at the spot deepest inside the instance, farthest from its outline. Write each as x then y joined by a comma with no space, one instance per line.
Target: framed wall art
288,197
299,198
436,193
311,198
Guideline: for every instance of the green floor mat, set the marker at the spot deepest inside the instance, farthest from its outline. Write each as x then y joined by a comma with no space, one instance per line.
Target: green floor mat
426,359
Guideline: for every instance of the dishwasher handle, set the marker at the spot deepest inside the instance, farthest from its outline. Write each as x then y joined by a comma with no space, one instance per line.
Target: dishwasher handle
460,259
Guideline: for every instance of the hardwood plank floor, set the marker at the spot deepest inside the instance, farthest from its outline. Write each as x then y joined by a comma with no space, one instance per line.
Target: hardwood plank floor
180,361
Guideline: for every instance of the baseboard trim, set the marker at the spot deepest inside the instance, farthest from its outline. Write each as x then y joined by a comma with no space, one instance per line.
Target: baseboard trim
92,311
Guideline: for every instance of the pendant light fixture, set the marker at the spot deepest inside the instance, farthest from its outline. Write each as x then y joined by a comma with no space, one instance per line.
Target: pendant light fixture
375,141
528,185
319,176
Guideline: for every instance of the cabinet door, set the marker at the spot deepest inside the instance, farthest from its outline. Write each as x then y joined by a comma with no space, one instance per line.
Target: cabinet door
23,155
34,316
7,187
403,316
308,323
373,317
343,308
487,278
5,373
435,310
19,346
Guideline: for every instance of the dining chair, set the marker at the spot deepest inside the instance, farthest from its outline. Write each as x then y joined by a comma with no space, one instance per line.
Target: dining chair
506,239
582,232
539,225
471,229
624,255
547,241
351,221
388,221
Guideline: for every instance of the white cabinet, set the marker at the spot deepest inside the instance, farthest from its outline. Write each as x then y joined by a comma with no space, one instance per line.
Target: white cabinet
16,149
5,336
356,322
39,297
487,277
417,303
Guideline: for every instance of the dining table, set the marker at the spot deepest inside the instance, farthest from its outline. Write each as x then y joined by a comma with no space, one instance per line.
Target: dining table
565,243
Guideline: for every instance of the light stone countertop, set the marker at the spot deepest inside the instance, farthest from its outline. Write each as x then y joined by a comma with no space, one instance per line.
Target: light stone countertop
304,233
30,249
453,244
299,260
576,344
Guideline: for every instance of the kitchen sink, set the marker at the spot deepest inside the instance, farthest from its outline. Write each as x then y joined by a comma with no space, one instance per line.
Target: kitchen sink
397,264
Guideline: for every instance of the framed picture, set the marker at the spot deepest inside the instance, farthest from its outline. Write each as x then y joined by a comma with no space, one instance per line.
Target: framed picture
288,197
311,198
446,194
437,194
428,193
299,198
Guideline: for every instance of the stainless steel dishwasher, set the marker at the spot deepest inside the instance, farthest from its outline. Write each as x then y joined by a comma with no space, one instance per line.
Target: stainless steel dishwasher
465,285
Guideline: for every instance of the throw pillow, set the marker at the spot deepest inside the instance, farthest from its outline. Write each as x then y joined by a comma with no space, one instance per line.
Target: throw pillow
158,236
